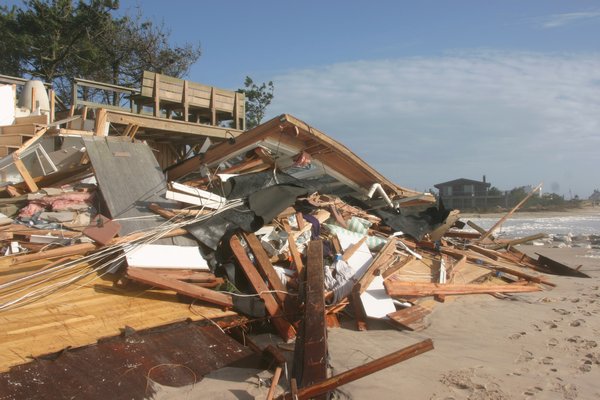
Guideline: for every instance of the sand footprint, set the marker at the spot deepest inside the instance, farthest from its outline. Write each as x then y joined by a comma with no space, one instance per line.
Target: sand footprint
516,336
525,356
561,311
577,322
547,361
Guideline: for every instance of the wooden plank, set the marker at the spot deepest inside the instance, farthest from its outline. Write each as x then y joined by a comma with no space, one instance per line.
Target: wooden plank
462,235
170,126
399,289
187,275
14,140
19,129
25,174
531,278
353,248
360,316
152,278
486,252
511,212
314,328
397,266
296,258
381,260
264,266
330,384
285,329
515,242
411,318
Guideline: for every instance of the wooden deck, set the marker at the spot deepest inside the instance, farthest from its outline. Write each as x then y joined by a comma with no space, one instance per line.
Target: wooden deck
84,312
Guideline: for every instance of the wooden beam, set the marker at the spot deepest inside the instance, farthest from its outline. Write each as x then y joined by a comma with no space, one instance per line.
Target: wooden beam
101,122
399,289
531,278
382,259
25,174
515,242
296,258
508,214
411,318
397,266
486,252
313,337
353,248
156,95
328,385
264,266
155,279
285,329
213,107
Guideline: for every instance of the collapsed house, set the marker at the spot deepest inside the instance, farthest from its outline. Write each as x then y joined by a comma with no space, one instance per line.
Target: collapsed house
161,233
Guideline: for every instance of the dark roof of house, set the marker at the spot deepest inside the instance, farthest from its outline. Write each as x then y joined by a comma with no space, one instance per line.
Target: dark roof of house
462,181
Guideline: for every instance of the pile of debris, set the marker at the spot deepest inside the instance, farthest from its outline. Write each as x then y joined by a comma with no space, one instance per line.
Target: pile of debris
280,228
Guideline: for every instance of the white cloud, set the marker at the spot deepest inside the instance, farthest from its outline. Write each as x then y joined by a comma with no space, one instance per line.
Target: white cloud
519,118
558,20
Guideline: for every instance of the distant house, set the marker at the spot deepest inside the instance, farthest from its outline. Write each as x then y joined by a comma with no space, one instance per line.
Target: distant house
466,194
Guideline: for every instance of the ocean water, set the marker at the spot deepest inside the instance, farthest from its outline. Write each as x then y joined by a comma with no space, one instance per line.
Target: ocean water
520,226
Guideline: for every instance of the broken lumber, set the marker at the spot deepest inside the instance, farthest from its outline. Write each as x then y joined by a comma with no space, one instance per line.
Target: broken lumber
411,318
399,289
508,214
327,385
152,278
285,329
264,266
310,362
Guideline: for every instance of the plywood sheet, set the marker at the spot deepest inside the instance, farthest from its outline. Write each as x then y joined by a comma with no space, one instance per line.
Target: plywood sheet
87,311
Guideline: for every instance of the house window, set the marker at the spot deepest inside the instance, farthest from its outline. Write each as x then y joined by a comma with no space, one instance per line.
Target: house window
448,190
468,189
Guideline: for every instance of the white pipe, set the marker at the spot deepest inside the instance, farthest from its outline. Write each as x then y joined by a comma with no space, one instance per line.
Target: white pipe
405,247
377,186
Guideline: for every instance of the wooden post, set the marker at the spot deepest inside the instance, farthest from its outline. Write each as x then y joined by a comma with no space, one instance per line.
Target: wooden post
156,95
186,106
312,343
213,107
33,99
52,104
101,122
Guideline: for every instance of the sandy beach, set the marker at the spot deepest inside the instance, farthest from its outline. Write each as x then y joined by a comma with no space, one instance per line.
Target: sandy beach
531,346
542,345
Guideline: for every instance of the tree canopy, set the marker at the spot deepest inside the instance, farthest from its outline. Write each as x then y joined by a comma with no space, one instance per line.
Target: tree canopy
258,98
57,40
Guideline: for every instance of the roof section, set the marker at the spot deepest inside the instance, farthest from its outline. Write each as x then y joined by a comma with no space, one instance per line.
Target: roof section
287,131
462,181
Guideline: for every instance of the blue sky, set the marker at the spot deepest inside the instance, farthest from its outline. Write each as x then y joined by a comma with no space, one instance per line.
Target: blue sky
424,91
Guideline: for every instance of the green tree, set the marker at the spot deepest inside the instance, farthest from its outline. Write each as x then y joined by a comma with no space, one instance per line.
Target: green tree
57,40
258,98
